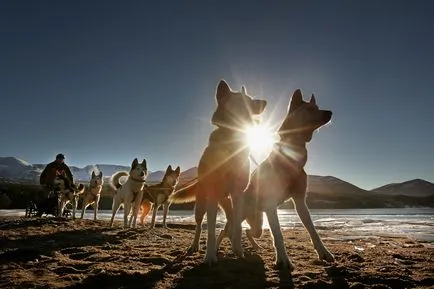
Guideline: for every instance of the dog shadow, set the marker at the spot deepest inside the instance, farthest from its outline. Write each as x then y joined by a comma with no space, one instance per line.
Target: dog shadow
30,248
123,280
248,272
26,222
226,273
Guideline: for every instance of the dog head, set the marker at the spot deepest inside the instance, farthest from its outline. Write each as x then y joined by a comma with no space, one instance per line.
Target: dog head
96,180
73,192
303,119
61,182
171,177
77,189
235,109
139,171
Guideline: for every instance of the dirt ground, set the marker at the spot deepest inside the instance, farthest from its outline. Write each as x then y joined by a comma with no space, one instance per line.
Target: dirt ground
61,253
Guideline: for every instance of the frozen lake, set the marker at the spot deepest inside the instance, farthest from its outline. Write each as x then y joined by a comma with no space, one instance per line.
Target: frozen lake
417,223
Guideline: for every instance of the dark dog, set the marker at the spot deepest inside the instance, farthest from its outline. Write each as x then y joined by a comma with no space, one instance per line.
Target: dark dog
49,206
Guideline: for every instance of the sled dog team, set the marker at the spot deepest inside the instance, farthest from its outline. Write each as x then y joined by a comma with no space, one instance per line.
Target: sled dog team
134,194
224,179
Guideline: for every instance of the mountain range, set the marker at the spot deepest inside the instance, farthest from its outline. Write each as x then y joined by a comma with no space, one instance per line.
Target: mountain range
17,170
324,191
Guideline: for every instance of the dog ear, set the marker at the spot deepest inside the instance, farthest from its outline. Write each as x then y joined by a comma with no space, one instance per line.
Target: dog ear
178,170
223,92
135,163
312,100
144,164
100,174
243,90
93,174
296,100
169,168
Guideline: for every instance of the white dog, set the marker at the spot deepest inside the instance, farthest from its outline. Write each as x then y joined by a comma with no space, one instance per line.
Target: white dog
93,194
129,194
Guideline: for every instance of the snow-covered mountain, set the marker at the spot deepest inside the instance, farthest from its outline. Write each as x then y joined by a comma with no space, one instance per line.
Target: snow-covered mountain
186,176
12,168
17,169
83,174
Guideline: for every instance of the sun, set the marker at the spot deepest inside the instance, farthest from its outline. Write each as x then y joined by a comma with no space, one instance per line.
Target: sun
260,139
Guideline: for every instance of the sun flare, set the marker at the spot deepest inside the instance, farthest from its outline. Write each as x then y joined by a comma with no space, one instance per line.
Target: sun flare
260,139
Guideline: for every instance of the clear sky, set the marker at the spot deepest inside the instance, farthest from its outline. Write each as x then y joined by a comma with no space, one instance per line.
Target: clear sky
108,81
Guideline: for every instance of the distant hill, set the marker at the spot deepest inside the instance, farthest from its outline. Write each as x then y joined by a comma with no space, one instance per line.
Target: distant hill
331,192
323,191
413,188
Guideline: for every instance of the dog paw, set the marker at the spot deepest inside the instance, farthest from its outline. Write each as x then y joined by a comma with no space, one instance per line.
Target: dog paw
192,250
237,248
210,259
325,255
284,263
238,251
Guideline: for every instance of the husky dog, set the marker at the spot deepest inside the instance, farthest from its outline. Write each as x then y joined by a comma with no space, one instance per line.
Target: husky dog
131,193
224,168
282,176
93,194
158,195
68,192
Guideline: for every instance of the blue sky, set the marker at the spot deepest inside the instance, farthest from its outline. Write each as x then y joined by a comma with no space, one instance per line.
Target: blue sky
106,81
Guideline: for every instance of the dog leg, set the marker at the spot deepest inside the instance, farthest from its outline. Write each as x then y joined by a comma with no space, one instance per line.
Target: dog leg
250,237
211,216
303,213
136,207
199,212
95,209
74,206
155,208
223,234
166,211
83,209
115,208
146,207
255,222
61,208
130,221
237,201
282,259
226,205
127,211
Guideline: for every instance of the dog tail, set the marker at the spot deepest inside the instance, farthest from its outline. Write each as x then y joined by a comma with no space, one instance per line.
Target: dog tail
114,181
187,194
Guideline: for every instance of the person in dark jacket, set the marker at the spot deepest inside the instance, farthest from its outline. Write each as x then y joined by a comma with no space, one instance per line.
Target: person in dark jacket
53,169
